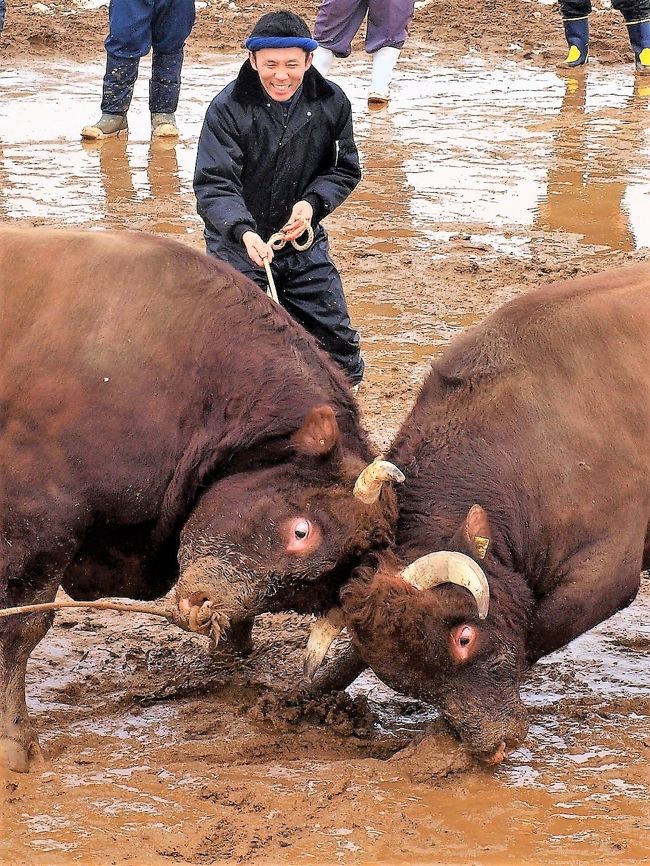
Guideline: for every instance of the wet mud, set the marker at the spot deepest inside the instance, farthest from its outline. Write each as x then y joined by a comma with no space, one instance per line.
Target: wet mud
488,175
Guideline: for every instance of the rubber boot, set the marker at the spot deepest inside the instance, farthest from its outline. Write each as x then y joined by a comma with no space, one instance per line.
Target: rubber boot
163,125
576,31
322,60
117,91
383,64
639,33
107,126
164,90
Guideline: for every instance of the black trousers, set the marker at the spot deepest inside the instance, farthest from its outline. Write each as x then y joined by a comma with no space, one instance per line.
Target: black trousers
309,288
631,10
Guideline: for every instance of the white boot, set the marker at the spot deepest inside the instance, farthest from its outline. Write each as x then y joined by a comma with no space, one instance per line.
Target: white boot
322,60
383,64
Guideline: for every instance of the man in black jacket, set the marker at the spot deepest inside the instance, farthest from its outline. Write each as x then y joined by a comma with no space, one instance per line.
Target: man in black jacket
276,152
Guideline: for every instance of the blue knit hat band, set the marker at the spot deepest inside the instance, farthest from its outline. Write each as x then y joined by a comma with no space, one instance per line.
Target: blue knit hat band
257,43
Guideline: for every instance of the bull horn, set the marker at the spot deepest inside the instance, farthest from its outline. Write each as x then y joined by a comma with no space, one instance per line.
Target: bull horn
367,487
323,633
450,567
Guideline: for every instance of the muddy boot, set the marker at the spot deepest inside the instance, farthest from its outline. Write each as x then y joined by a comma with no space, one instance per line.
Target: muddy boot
117,90
576,31
383,64
323,60
163,126
639,33
107,126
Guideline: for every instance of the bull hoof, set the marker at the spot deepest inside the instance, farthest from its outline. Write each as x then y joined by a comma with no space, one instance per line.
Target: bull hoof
18,758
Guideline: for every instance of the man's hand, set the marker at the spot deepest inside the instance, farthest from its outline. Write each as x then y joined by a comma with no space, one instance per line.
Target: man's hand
295,226
256,248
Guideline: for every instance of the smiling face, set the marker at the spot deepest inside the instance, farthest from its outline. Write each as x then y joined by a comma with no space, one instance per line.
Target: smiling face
281,70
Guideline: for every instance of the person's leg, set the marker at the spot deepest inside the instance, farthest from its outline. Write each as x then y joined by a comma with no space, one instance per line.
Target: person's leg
171,25
309,287
388,22
119,81
129,39
337,22
636,14
575,19
3,10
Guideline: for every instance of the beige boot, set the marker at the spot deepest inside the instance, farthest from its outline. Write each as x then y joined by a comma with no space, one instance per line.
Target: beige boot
164,126
107,126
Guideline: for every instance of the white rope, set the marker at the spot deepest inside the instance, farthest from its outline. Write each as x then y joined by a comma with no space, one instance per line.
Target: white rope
276,242
152,610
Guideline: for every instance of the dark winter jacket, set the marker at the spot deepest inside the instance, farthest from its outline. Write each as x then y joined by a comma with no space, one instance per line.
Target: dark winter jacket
251,170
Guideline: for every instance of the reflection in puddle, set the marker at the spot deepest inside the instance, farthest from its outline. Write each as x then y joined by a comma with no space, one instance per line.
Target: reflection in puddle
500,146
495,146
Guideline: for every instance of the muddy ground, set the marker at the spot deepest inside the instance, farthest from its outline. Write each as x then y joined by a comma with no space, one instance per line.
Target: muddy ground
488,175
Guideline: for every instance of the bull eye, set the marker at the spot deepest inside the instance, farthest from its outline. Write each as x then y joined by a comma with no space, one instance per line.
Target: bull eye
301,529
463,640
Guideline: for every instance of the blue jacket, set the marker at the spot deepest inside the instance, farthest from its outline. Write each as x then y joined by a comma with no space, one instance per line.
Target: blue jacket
251,170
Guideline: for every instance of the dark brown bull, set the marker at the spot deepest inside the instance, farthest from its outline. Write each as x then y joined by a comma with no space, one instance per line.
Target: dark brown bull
527,455
142,384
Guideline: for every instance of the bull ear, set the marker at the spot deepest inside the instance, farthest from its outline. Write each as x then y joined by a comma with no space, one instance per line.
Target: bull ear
477,531
319,432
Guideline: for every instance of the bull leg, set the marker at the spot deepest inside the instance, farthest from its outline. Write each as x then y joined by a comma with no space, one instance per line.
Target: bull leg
601,583
33,582
340,672
18,741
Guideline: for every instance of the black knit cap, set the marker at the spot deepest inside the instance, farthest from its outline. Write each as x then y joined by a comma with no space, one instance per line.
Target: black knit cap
281,23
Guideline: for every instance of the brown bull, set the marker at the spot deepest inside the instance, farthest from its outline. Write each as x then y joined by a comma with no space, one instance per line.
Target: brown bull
527,456
143,384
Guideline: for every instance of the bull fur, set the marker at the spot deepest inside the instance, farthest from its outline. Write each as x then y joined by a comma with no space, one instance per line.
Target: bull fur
532,432
156,406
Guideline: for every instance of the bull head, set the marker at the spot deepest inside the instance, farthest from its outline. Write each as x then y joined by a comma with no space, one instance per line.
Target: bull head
426,572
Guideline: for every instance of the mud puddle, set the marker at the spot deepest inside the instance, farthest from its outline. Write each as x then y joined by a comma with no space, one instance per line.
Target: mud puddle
159,753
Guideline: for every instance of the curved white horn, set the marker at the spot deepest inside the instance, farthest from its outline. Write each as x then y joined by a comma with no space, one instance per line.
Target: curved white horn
367,487
450,567
323,633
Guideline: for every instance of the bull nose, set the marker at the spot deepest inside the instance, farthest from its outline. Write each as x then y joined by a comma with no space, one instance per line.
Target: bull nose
196,599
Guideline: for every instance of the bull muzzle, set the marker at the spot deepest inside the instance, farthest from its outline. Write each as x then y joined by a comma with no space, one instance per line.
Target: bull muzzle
207,601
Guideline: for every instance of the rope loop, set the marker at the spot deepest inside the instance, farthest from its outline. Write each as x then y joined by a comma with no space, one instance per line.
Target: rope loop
277,240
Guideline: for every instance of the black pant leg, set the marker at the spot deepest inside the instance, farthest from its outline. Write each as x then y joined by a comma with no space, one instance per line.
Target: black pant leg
633,10
575,8
310,289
